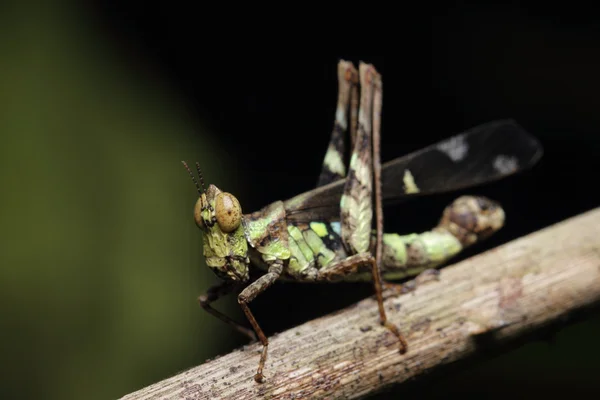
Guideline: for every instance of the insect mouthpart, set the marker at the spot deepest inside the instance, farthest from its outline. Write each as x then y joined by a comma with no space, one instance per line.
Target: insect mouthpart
235,269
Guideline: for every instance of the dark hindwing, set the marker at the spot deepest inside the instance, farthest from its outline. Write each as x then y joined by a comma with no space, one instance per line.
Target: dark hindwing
482,154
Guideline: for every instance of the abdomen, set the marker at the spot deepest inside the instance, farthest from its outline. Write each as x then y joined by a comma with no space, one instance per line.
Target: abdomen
318,245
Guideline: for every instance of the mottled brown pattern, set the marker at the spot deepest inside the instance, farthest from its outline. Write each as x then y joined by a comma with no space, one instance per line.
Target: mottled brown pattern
416,254
472,219
356,216
276,228
388,259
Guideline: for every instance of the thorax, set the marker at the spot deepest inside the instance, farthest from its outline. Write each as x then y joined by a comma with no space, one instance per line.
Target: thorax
304,248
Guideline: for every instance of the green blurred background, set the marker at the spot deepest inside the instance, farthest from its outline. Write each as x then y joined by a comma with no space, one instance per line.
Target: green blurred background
100,259
100,263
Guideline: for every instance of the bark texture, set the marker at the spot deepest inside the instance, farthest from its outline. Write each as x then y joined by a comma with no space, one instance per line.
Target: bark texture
499,296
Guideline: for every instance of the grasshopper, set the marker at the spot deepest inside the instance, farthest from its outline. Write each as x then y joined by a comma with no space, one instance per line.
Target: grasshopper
327,235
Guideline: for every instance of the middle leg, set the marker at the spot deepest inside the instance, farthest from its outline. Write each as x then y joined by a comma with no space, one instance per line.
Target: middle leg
249,294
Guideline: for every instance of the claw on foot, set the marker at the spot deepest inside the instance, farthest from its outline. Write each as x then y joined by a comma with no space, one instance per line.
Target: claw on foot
394,329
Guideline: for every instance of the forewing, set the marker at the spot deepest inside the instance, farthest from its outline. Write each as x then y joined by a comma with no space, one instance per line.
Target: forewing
482,154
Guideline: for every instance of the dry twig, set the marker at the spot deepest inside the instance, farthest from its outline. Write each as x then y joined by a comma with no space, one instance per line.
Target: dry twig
500,295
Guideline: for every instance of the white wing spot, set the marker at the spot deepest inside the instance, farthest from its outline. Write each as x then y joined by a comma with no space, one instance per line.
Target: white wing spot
456,148
409,183
333,160
505,164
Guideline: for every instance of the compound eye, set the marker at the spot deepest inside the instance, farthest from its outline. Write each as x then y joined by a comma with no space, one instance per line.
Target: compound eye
198,214
228,212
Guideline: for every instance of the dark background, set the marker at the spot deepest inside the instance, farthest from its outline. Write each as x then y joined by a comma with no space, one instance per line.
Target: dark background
251,95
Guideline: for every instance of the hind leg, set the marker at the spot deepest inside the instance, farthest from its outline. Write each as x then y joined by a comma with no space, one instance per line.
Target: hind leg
356,204
334,167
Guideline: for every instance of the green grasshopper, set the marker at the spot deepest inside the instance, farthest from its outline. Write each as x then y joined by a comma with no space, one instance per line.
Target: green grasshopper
326,234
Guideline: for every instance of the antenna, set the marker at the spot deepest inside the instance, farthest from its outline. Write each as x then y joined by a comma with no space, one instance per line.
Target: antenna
200,190
200,176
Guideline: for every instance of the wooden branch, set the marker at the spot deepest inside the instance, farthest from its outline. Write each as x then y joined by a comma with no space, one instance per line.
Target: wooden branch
500,295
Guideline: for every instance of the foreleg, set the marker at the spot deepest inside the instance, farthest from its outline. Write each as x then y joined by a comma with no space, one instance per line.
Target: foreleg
249,294
215,293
